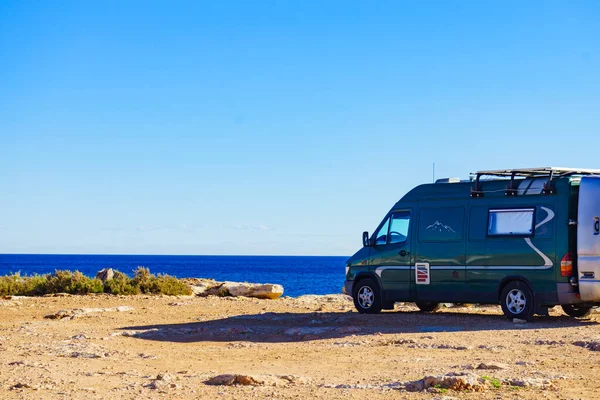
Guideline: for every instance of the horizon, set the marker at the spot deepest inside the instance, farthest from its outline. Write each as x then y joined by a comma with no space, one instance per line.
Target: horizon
269,128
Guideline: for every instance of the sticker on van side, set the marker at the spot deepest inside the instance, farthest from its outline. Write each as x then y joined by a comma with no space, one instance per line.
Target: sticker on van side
422,273
596,225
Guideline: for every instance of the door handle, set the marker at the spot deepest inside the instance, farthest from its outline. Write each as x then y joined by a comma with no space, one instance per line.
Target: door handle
404,253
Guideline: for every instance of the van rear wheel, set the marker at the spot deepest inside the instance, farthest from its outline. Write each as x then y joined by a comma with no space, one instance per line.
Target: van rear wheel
517,300
427,306
575,311
367,296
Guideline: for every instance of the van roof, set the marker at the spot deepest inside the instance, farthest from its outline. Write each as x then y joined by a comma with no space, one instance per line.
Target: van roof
503,183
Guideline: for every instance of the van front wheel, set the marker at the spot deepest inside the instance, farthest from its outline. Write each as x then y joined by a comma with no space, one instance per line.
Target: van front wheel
427,306
516,300
572,310
367,296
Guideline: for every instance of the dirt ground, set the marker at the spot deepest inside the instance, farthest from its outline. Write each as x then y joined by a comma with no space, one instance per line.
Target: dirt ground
308,347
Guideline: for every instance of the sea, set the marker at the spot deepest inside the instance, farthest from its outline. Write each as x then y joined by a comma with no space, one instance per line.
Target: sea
299,275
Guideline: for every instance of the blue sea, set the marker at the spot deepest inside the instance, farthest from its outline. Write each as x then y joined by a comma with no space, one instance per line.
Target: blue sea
299,275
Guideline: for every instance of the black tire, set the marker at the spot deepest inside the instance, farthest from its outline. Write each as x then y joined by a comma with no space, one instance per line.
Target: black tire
367,296
517,301
575,311
427,306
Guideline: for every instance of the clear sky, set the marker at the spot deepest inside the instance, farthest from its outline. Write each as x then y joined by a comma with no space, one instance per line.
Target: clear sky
274,127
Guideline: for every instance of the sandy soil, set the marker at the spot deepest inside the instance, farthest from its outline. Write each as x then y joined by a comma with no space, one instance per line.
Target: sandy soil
313,347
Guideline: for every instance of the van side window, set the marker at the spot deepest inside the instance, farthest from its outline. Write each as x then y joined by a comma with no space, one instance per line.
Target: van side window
400,223
394,230
382,233
511,222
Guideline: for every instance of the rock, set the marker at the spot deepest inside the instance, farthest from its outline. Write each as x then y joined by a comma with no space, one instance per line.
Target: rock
58,295
518,321
294,379
454,381
229,380
83,354
495,366
210,287
525,363
105,274
81,336
536,383
21,385
164,377
160,384
306,330
264,291
593,345
253,380
200,286
78,312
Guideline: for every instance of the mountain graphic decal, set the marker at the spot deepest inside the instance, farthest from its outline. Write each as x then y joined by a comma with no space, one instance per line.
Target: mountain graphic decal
437,226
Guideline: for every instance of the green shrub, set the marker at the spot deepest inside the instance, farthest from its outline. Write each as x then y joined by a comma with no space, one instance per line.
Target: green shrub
145,281
35,285
162,284
120,284
73,283
171,286
62,281
11,285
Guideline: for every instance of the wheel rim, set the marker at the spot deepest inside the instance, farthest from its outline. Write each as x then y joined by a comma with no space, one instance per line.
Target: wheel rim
366,297
516,301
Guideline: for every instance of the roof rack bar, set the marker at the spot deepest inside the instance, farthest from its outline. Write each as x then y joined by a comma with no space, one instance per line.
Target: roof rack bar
548,187
477,192
511,190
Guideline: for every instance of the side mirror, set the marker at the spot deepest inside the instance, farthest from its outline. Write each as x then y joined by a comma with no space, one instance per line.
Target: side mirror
365,238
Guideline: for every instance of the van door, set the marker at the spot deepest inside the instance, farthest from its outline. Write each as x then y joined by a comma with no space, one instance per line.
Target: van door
391,256
440,253
588,238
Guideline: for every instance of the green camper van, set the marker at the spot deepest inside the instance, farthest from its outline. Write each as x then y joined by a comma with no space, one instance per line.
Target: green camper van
528,239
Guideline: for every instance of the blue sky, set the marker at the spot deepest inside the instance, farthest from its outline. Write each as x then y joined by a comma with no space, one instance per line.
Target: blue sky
274,127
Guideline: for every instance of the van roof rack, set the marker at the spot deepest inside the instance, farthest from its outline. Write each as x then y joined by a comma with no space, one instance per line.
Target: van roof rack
549,172
543,171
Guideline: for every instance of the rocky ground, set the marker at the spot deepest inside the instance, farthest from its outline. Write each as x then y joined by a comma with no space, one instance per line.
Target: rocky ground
136,347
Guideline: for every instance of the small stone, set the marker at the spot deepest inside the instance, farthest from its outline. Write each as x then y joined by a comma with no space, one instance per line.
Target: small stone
525,363
519,321
21,385
494,366
80,336
164,377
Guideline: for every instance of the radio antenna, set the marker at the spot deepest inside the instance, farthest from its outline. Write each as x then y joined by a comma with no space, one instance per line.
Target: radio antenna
433,172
